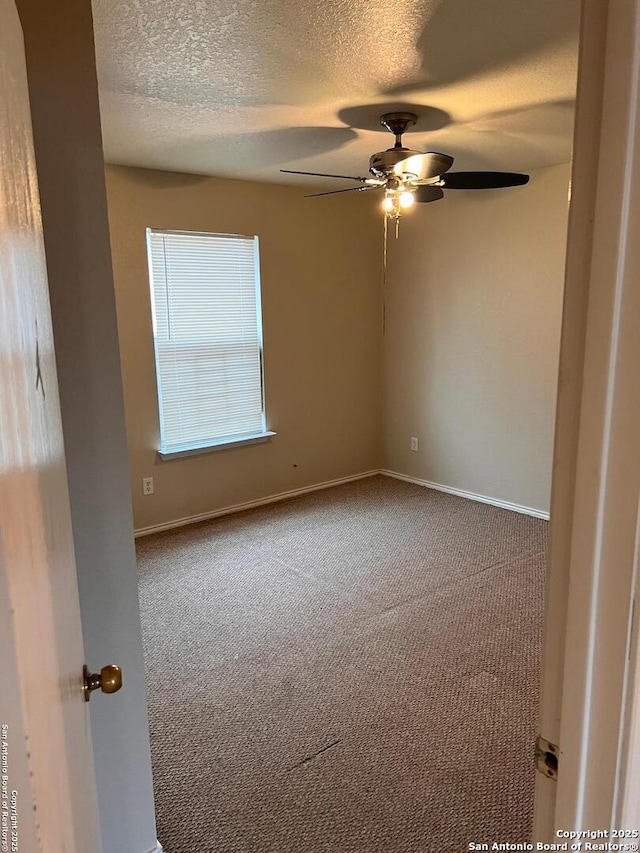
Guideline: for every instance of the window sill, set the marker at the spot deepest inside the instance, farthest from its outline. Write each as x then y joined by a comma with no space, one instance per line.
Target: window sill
223,444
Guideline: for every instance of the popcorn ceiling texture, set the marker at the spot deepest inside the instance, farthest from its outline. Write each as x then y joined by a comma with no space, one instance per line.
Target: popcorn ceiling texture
242,89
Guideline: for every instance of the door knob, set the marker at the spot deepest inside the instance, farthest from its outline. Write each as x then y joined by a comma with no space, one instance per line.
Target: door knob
109,680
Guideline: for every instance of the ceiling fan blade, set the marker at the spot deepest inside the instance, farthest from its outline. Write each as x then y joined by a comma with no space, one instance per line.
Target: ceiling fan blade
482,180
426,193
424,166
322,175
349,190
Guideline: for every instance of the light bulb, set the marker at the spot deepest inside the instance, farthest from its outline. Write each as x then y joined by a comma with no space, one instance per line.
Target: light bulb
387,204
406,199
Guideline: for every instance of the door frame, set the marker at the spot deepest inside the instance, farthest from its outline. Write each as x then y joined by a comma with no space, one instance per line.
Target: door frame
589,624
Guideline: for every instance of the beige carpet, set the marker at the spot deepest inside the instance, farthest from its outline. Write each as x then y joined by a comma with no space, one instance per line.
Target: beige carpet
353,671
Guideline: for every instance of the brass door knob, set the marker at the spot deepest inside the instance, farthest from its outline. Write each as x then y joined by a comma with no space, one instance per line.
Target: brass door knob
109,680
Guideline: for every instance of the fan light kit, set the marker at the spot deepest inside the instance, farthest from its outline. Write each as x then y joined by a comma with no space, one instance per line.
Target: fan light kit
408,176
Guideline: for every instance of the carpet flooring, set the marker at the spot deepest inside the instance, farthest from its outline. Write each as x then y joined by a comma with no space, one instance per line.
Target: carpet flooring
352,671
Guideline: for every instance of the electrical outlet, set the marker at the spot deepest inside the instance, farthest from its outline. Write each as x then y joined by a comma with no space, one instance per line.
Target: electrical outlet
147,485
414,444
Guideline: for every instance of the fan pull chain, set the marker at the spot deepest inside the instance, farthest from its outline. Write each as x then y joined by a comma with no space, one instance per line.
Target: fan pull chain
384,273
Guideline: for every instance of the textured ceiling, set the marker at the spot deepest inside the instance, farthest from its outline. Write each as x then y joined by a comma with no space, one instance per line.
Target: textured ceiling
241,88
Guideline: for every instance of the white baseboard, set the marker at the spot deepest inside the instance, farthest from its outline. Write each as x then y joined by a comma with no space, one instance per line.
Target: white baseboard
158,848
270,499
316,487
525,510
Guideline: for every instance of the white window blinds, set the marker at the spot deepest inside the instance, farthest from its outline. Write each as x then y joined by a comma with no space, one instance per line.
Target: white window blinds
205,296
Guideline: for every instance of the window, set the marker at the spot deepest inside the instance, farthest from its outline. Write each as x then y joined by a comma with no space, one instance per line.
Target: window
207,329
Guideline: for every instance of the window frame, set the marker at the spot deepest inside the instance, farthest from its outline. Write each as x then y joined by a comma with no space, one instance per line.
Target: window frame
222,442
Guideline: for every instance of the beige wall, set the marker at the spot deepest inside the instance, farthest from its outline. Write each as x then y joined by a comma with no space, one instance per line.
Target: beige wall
474,304
320,266
474,301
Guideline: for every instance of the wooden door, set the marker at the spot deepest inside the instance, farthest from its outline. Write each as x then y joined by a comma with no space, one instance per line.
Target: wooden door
45,745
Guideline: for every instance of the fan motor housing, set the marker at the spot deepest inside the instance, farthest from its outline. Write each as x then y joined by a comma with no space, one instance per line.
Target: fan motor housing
383,163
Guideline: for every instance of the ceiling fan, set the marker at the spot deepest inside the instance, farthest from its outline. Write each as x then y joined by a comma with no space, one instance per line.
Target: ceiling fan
408,176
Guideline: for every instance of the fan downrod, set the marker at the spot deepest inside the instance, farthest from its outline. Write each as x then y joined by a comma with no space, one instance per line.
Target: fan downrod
398,123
